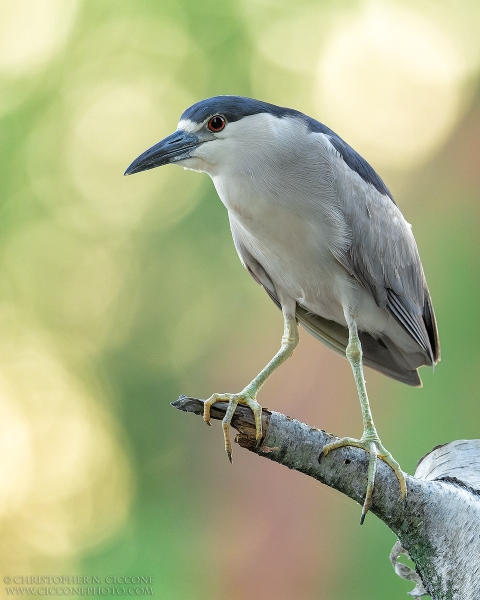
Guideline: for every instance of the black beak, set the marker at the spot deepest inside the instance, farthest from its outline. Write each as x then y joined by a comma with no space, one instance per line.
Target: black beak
173,148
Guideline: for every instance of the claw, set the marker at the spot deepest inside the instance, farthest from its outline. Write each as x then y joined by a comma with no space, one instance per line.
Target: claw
245,397
376,450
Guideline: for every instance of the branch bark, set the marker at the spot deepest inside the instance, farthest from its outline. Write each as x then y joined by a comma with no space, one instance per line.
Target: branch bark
438,526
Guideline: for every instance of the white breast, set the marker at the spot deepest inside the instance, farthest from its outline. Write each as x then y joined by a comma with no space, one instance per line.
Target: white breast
293,249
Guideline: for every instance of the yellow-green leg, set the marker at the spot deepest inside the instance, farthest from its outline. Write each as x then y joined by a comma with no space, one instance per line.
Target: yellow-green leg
370,442
248,395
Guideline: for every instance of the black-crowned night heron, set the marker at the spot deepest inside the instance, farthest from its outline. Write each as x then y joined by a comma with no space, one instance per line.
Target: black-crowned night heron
319,230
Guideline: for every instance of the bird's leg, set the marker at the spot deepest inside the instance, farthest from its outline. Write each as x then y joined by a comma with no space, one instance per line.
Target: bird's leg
370,441
248,395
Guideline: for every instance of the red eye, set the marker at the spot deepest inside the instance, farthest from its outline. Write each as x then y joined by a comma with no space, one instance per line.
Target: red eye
216,123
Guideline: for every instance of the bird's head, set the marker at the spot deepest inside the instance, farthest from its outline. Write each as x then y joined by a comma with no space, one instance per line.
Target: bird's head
216,132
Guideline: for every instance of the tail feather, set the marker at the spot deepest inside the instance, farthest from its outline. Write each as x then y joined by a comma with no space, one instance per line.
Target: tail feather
431,327
376,355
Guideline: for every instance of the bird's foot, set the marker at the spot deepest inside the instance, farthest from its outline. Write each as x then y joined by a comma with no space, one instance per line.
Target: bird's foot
245,397
371,443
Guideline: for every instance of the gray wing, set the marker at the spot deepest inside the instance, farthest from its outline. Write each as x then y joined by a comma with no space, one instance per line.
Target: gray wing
382,254
332,334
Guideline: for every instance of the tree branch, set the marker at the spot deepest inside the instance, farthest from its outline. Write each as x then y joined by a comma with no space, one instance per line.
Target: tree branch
438,525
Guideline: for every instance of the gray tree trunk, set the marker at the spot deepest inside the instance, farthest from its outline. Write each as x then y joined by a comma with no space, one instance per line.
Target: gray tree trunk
439,524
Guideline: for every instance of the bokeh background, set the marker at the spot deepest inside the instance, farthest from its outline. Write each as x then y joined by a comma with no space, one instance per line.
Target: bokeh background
118,294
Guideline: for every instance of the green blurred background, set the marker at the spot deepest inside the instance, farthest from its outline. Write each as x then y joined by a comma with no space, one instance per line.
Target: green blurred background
118,294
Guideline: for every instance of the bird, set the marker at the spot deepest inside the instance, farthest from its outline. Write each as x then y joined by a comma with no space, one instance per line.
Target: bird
317,227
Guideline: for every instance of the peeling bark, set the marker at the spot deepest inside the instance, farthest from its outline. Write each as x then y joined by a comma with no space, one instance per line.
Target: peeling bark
438,526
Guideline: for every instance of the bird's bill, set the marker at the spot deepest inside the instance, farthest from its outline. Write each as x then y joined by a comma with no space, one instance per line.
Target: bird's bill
173,148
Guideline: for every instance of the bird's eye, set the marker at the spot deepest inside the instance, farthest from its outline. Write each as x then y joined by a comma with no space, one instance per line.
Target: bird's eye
216,123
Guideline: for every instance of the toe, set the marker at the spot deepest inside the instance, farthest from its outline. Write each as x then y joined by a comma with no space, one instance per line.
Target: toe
372,469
